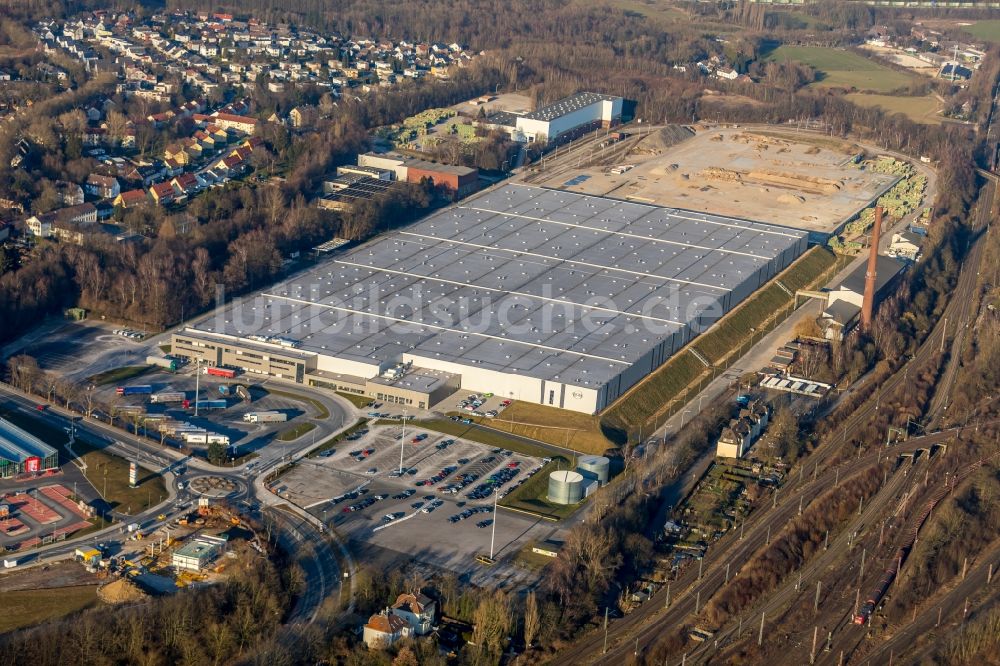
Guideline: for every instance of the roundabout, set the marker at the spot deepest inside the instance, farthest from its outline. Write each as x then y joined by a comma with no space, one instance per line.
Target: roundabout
216,487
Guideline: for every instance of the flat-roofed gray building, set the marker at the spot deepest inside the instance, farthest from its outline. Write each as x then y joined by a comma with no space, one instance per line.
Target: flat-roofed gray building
533,294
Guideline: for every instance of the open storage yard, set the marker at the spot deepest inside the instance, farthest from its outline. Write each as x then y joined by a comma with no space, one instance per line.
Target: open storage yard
357,494
797,180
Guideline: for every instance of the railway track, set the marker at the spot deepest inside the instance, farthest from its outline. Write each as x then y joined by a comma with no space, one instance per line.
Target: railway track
645,625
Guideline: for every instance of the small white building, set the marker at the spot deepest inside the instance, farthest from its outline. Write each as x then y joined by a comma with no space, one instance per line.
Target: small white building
905,245
198,553
417,610
384,629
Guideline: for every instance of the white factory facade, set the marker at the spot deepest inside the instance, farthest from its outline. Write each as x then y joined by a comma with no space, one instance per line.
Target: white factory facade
582,111
540,295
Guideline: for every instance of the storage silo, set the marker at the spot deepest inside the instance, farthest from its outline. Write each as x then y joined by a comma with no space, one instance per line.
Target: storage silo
595,467
565,487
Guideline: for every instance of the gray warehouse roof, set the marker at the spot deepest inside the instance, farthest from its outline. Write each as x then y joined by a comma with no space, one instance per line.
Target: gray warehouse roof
568,105
524,280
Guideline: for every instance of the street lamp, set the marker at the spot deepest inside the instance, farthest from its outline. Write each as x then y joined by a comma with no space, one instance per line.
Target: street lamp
402,443
496,495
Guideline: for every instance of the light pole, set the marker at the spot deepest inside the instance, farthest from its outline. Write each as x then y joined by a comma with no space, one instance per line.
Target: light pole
496,495
402,443
197,383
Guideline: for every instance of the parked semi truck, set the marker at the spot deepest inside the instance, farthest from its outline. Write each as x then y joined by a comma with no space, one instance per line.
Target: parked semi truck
220,372
206,438
204,404
168,363
167,396
141,389
265,417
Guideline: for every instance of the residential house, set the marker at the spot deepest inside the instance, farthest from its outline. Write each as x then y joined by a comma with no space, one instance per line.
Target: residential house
418,612
229,121
186,184
303,116
743,431
727,73
178,153
384,629
44,225
131,199
162,193
106,187
71,194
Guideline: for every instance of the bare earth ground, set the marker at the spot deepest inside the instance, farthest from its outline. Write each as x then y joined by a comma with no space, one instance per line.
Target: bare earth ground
804,181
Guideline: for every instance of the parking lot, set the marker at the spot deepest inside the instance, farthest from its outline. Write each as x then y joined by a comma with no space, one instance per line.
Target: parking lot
246,437
39,514
441,507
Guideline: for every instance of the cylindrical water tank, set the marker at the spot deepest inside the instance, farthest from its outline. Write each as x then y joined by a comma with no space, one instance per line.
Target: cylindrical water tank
595,467
565,487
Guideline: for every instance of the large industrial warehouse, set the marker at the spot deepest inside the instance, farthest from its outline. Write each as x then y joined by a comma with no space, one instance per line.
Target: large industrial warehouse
534,294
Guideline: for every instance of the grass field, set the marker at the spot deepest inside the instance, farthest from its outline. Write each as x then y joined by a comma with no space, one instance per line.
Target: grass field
918,109
100,465
332,443
295,432
651,9
25,608
573,430
487,437
531,496
118,375
359,401
323,413
836,68
985,30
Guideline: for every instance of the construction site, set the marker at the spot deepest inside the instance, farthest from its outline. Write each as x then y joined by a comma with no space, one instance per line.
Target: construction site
805,180
193,548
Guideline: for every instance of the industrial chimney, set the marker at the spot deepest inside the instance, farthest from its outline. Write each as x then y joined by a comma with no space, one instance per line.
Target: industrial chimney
868,304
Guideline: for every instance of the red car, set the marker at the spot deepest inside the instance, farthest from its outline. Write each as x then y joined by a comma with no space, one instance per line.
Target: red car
506,403
41,408
513,465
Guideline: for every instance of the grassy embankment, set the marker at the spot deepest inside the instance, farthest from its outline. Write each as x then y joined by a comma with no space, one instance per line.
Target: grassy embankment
25,608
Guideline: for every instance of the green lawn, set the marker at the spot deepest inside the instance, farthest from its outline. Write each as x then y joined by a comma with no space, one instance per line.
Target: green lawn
119,375
985,30
25,608
487,437
331,443
320,408
295,431
650,9
836,68
359,401
531,496
100,466
572,430
919,109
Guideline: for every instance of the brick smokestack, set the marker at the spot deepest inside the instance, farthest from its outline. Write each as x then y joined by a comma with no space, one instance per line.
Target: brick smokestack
868,304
